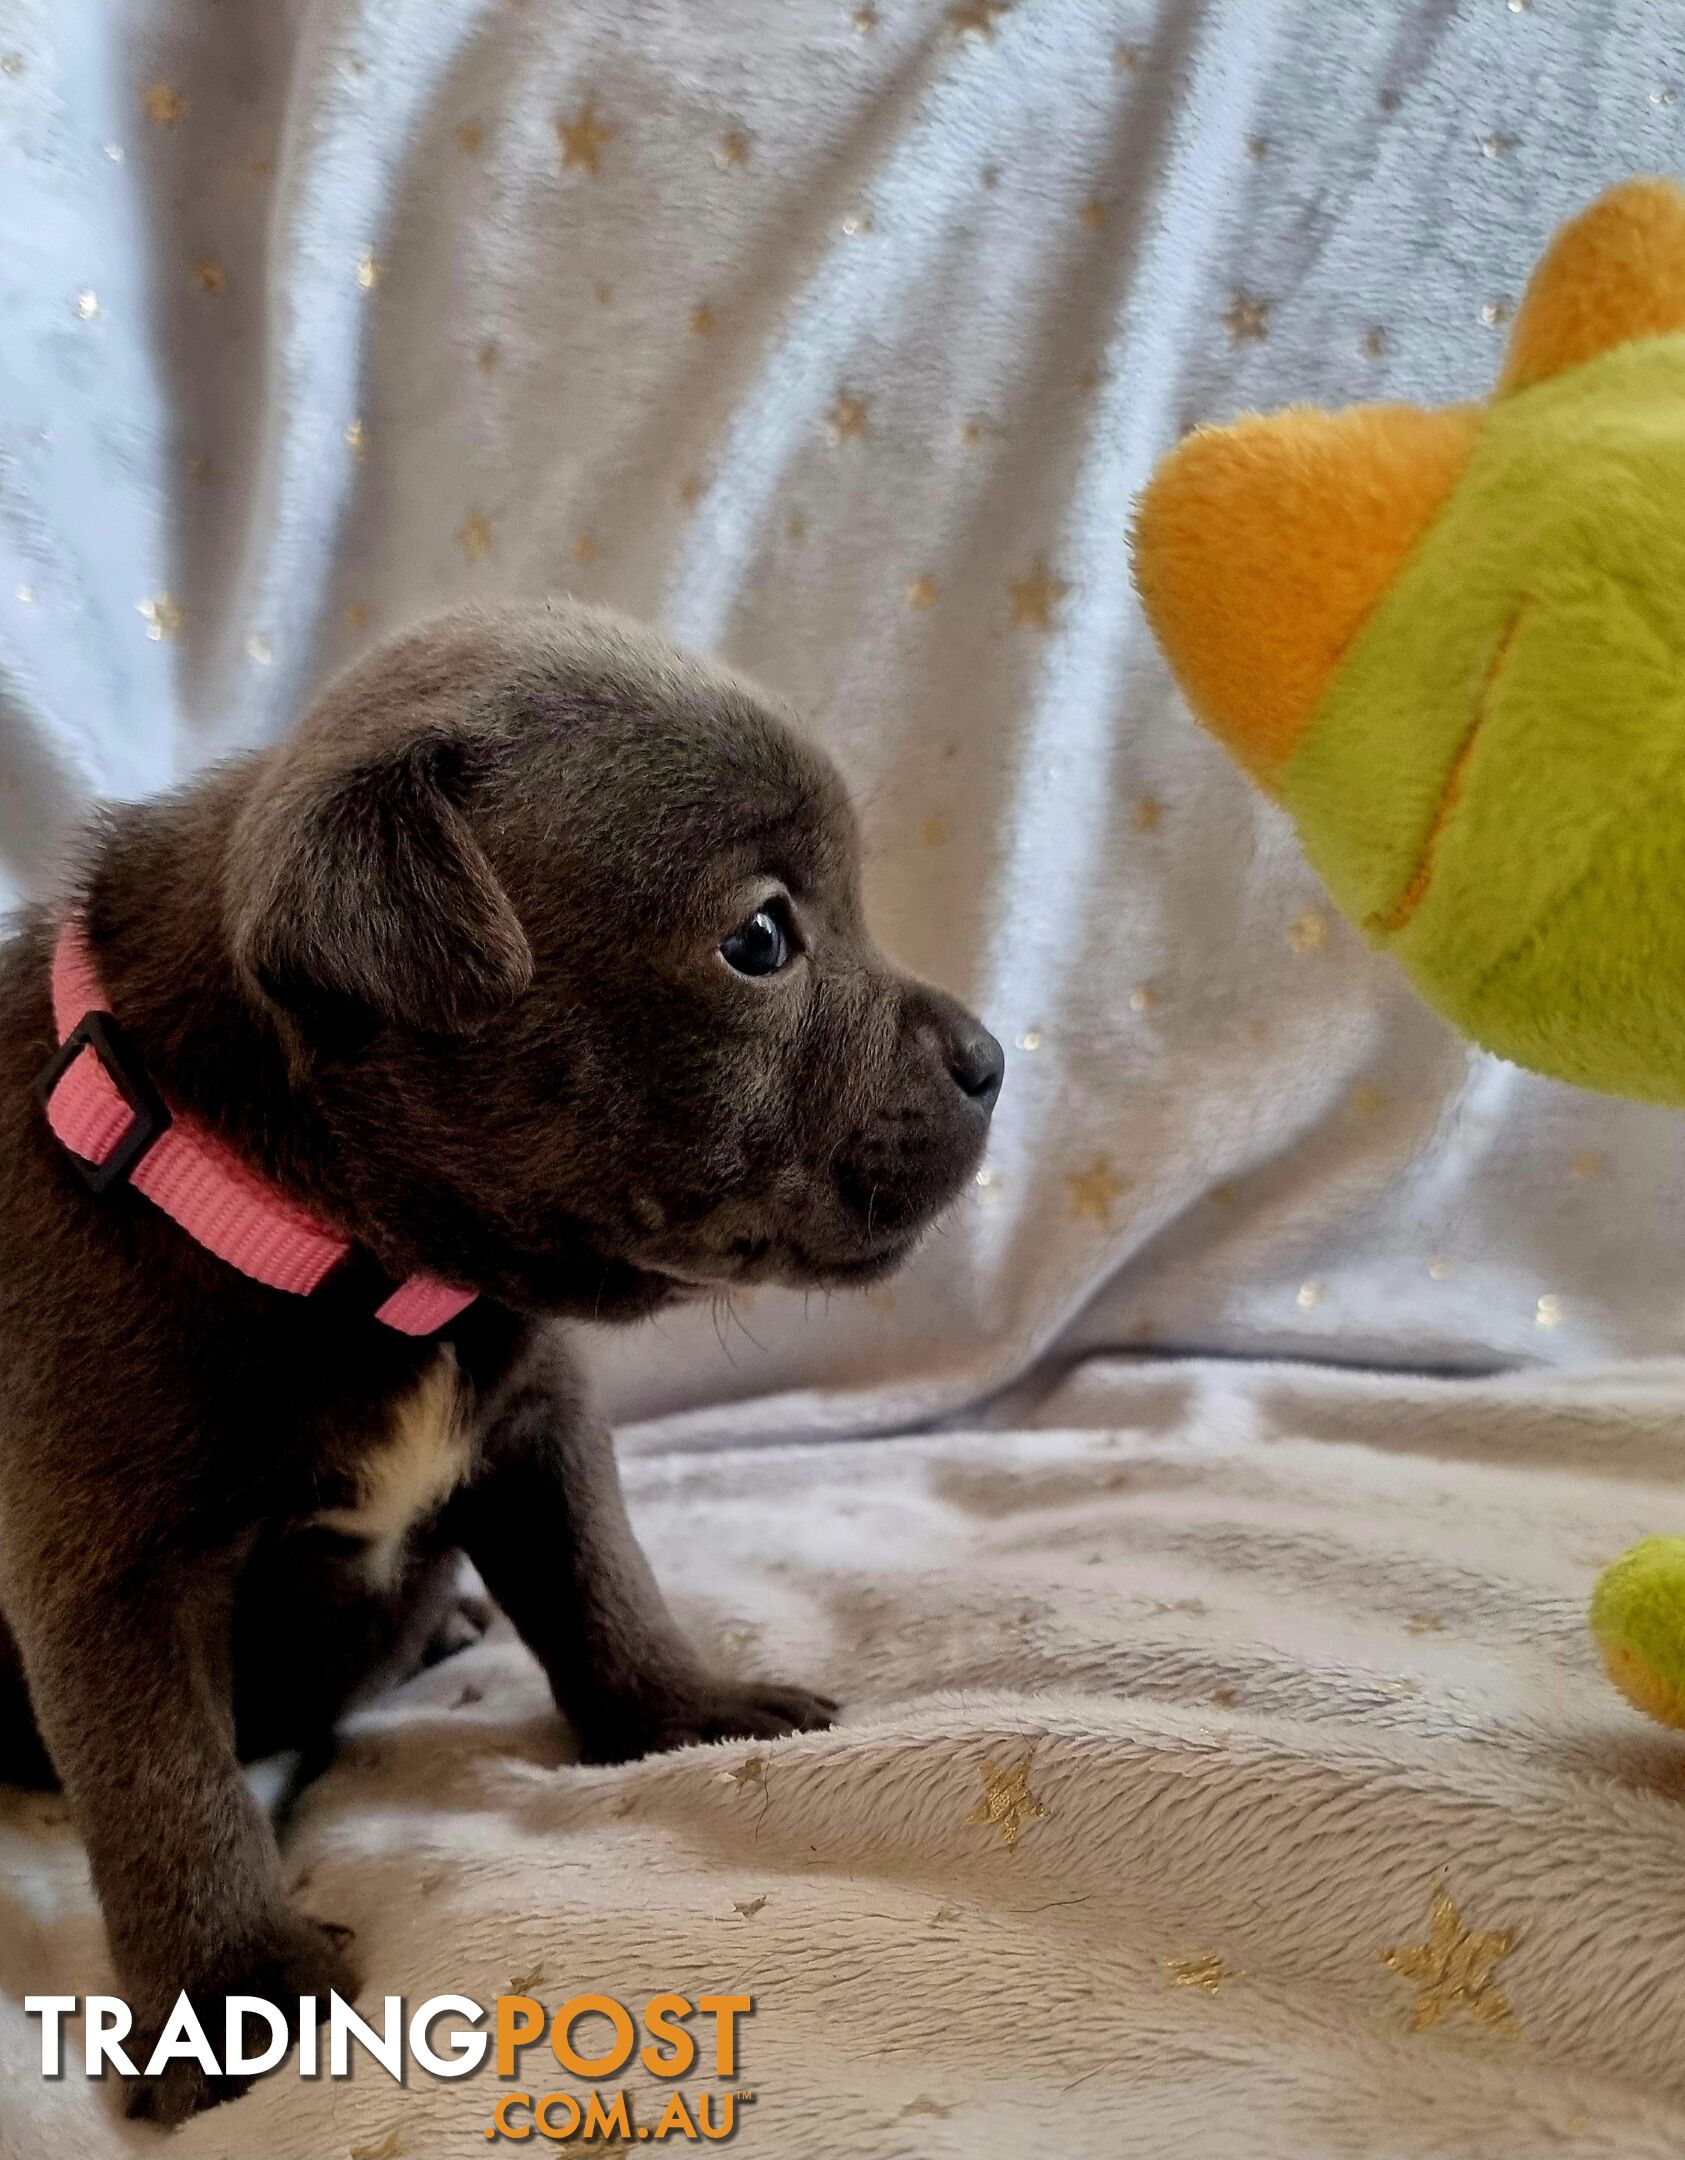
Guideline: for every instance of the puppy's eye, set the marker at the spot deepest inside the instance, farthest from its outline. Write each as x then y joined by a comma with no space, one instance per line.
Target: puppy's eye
760,946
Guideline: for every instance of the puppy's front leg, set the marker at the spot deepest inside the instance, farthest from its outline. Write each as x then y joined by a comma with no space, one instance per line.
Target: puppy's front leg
130,1690
545,1523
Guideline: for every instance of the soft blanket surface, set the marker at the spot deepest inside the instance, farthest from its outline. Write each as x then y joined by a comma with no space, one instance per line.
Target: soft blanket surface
837,335
1285,1655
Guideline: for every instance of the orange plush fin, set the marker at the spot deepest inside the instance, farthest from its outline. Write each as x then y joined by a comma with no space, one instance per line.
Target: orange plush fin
1260,550
1615,274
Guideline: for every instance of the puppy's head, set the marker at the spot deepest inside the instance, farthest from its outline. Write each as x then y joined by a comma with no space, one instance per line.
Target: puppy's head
564,932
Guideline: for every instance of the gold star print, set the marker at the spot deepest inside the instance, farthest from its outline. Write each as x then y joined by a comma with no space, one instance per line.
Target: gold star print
356,440
356,615
1149,814
848,416
1425,1623
1308,932
863,21
1439,1269
475,537
750,1772
733,150
1368,1100
1307,1295
164,104
1093,214
1246,318
584,548
370,271
1497,312
1007,1800
934,832
1126,59
470,137
209,276
1035,599
1145,997
703,320
1258,148
937,2110
972,431
1207,1972
1548,1312
1375,343
524,1983
388,2149
1452,1970
1094,1191
488,355
260,650
1589,1166
690,489
746,1908
11,63
1091,378
795,526
583,139
977,18
87,304
921,593
162,617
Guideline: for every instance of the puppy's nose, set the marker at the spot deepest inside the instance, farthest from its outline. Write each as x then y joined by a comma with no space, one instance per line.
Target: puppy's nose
976,1061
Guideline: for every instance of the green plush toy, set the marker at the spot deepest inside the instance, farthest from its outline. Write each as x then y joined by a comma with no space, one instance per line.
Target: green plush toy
1452,644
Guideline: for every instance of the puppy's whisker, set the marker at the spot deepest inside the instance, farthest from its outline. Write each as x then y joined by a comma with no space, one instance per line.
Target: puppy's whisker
744,1325
719,1332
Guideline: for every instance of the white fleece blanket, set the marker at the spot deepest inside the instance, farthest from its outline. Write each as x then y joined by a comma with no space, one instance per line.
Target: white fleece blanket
836,335
1286,1654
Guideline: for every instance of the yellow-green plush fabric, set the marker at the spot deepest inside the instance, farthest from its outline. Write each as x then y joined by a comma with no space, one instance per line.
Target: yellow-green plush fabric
1638,1618
1529,664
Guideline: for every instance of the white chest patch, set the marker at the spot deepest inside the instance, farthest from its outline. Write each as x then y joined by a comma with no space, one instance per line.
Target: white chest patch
409,1473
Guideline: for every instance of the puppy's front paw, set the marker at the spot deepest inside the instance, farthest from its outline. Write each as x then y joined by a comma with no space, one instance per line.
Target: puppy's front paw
295,1956
710,1710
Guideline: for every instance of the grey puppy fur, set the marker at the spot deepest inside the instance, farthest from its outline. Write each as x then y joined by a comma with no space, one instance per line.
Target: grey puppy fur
534,959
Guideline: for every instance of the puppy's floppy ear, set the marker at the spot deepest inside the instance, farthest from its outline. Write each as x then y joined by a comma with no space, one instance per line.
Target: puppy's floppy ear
360,887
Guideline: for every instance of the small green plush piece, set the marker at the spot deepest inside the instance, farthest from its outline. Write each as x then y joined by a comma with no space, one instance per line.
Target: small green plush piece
1638,1618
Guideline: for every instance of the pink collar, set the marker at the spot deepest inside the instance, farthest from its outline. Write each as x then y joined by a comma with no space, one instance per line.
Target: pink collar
106,1111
